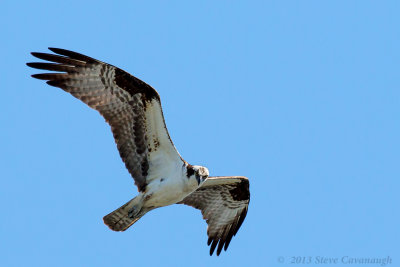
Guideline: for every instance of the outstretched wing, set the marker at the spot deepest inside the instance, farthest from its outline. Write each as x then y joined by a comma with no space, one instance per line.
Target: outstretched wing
223,201
131,107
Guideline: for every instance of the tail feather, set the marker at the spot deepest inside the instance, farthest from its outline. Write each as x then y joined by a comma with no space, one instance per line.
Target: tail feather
120,219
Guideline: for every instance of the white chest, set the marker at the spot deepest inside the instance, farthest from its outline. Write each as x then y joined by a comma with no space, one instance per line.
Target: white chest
171,187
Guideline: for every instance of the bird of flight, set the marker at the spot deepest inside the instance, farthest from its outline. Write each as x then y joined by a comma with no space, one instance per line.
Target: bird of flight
133,110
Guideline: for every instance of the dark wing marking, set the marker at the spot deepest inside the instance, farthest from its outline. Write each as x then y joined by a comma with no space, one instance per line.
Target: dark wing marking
131,107
223,201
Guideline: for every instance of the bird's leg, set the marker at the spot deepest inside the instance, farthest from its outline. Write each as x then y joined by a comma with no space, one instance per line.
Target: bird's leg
133,211
135,206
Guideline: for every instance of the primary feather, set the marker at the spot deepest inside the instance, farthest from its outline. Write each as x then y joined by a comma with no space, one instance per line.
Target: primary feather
133,110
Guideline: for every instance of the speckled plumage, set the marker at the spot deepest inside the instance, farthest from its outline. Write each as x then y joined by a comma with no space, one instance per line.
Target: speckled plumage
223,212
133,110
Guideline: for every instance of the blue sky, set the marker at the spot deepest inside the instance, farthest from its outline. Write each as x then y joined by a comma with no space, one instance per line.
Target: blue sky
300,96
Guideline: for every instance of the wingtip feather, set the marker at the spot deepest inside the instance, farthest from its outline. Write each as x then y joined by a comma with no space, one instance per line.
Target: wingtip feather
213,246
54,49
52,83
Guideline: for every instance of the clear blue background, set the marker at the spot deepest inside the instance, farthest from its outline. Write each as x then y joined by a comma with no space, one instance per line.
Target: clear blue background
300,96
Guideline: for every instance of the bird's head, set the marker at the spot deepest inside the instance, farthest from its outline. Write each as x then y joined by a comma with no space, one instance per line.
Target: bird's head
199,172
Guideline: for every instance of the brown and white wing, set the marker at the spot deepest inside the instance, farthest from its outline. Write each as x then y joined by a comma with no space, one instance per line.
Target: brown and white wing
131,107
223,201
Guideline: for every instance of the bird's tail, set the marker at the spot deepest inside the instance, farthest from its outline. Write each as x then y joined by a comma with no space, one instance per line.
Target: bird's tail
126,215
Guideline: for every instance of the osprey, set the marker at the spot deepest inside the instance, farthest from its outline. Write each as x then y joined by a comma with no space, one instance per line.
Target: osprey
133,110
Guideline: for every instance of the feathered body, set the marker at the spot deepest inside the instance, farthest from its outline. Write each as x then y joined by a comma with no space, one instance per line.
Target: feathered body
133,110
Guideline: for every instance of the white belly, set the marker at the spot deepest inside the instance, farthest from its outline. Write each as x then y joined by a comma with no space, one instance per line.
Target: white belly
167,191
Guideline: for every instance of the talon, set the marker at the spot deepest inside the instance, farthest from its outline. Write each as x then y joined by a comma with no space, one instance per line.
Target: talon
133,212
